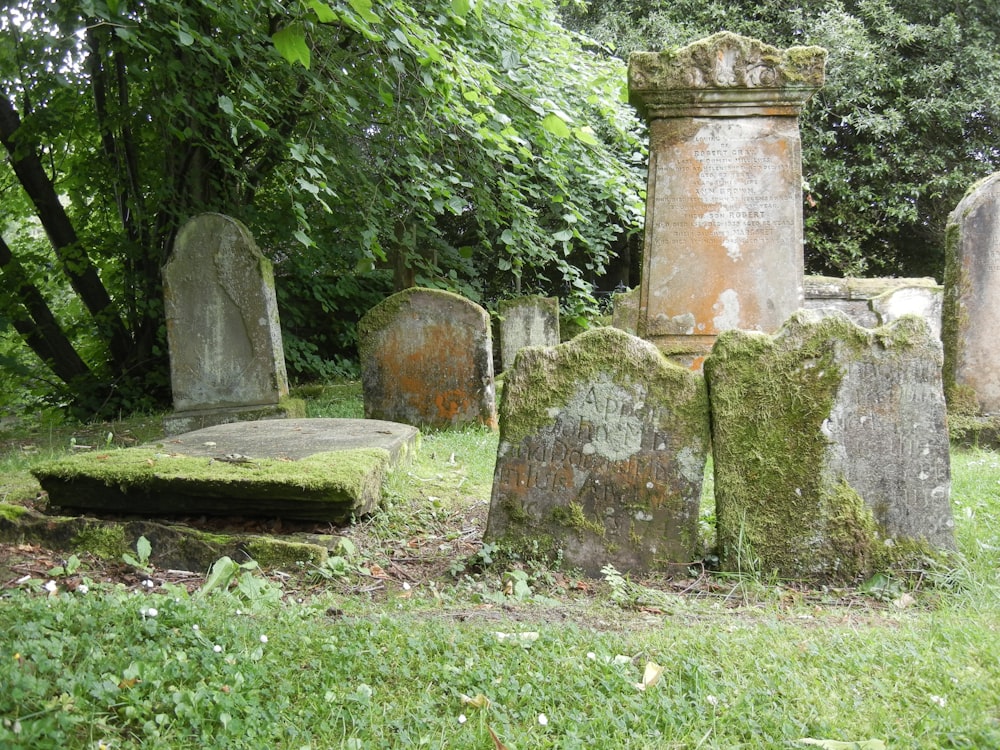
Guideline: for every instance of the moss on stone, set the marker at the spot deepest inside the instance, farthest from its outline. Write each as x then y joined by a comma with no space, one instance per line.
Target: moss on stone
102,539
769,401
573,516
10,512
961,398
147,468
278,553
546,380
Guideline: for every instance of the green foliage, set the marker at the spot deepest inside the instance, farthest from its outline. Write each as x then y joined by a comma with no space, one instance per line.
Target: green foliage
904,125
140,561
477,147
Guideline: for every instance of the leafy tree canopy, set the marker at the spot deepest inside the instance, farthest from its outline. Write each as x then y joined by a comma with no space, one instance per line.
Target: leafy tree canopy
908,120
471,144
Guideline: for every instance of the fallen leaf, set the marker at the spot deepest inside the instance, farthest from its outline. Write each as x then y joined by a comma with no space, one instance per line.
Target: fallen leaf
480,701
650,676
904,601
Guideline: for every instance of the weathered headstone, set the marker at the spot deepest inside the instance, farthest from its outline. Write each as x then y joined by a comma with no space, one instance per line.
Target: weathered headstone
723,241
427,360
971,314
830,447
625,310
922,301
226,360
603,444
527,321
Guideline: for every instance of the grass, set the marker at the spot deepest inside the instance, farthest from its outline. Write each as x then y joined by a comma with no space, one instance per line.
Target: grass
468,642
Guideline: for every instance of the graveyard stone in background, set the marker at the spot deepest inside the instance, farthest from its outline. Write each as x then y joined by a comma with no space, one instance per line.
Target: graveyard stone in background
830,447
603,444
922,301
527,321
427,360
971,314
226,358
723,242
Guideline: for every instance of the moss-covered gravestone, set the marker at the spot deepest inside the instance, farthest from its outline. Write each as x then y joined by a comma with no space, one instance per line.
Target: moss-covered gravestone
971,314
830,447
527,321
602,451
427,360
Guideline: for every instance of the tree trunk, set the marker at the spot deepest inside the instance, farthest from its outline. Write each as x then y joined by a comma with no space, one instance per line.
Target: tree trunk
75,263
33,319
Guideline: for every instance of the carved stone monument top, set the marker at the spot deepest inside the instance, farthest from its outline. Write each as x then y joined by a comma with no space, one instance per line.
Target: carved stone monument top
724,75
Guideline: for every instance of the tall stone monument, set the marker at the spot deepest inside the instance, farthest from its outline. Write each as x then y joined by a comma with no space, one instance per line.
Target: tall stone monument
602,452
971,313
831,447
723,242
427,360
226,360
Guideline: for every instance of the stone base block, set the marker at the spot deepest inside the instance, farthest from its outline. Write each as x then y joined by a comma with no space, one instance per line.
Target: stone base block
187,421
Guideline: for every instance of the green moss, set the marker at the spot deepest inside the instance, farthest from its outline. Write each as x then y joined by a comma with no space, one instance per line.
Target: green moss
104,540
149,468
573,516
275,553
769,401
961,398
546,380
11,512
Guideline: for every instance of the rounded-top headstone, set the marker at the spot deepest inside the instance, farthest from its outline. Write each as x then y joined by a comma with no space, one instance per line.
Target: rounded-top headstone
427,360
222,318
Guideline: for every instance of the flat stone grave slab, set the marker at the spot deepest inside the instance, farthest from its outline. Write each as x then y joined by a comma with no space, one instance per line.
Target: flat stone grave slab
307,469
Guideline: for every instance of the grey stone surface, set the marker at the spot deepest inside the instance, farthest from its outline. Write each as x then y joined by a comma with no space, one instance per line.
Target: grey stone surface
831,446
427,360
603,444
971,316
222,320
294,438
527,321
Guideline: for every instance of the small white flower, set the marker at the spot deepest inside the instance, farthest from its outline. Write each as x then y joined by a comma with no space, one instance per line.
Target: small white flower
406,586
461,719
217,648
712,700
194,627
51,587
152,612
263,639
148,584
592,656
543,719
83,588
938,700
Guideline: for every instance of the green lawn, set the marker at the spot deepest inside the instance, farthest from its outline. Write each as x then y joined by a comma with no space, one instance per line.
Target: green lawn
535,655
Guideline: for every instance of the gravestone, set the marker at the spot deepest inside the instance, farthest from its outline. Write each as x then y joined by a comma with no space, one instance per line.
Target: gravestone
723,240
603,444
830,447
922,301
971,314
625,310
226,360
427,360
527,321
